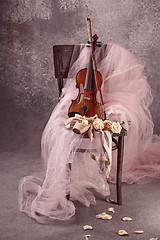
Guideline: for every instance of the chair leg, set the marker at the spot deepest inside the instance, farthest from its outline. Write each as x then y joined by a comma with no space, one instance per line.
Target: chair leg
119,169
68,195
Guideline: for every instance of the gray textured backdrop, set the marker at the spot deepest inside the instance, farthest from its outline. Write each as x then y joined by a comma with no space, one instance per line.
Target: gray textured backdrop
29,29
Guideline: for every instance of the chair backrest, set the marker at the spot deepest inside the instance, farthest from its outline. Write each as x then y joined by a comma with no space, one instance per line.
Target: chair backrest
62,57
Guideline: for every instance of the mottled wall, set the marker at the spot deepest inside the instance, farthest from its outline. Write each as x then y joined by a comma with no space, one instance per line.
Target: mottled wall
29,29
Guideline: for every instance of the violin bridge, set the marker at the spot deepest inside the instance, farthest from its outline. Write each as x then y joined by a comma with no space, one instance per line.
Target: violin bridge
86,98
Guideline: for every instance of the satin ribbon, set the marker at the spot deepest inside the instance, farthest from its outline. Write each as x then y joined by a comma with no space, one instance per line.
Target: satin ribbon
107,145
81,124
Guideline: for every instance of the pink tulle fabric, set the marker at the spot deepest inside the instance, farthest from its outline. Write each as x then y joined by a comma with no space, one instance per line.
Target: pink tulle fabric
127,97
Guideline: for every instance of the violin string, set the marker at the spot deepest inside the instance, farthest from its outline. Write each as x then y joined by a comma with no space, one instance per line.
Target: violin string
89,38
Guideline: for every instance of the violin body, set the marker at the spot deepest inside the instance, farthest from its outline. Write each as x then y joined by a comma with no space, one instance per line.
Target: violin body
86,103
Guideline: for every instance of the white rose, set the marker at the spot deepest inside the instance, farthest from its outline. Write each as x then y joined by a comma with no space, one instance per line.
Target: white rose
98,124
116,127
107,125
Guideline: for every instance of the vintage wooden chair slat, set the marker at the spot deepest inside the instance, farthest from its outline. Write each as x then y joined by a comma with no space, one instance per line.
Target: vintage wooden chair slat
62,56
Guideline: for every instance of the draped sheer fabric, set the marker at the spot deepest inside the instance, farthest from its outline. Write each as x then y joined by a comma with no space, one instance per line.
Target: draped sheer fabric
127,97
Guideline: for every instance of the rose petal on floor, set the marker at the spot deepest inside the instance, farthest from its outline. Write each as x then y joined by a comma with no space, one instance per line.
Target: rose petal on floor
87,236
109,200
104,216
127,219
87,227
139,232
111,210
122,232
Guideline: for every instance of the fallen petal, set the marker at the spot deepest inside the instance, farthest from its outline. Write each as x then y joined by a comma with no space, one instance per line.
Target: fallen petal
87,227
104,216
87,236
153,239
125,219
122,232
109,200
139,231
111,209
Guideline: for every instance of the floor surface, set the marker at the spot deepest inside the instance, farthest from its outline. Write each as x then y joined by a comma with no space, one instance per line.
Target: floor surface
141,202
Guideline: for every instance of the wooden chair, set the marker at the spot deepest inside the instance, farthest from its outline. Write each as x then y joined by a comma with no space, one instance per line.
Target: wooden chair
62,56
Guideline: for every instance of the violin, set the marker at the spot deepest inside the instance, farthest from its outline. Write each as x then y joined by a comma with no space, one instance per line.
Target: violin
89,82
